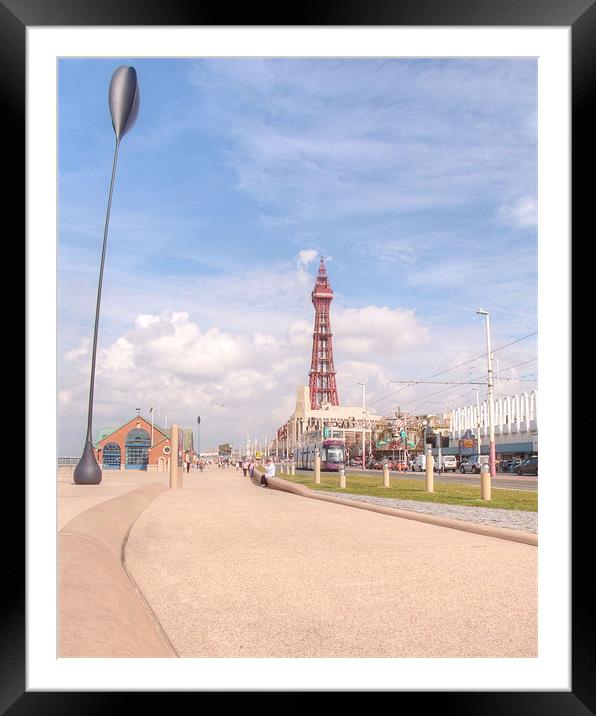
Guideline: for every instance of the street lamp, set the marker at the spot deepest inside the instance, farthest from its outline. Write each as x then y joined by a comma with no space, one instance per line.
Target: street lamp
363,428
491,408
199,436
478,438
123,100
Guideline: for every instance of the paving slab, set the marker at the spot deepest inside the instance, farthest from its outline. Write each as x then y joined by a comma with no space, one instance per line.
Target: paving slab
231,569
75,499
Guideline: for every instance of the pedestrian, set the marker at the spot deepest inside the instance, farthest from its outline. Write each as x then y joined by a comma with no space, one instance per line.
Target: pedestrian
269,472
187,463
251,468
245,466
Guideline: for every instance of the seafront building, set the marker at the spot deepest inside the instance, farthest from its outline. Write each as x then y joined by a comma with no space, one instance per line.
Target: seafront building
138,444
515,423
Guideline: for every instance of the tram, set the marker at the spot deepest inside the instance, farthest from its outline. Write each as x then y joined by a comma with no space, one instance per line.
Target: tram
331,450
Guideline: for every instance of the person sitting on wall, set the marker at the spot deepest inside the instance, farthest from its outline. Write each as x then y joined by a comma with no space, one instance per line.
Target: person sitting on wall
269,472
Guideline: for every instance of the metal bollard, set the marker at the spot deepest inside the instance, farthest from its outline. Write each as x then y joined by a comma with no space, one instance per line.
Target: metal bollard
342,477
385,475
317,469
485,481
430,463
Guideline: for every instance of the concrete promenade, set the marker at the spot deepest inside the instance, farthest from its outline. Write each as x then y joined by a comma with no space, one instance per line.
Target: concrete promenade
234,570
75,499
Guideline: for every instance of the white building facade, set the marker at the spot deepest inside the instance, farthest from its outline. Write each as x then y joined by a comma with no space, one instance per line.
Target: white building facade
515,424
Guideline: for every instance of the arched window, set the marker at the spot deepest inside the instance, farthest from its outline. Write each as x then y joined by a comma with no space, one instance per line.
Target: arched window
507,410
138,443
524,410
483,419
515,414
111,456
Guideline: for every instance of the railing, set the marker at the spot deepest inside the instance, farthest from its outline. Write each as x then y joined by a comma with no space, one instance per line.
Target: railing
68,460
66,466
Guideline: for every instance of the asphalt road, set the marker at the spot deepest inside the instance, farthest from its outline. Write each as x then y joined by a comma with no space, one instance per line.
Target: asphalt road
502,480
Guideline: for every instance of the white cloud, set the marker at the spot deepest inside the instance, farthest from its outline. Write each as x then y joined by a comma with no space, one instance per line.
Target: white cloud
300,334
239,379
306,256
377,332
332,139
521,215
117,357
82,350
146,320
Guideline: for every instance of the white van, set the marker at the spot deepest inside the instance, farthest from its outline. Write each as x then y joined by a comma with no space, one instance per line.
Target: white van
448,462
419,464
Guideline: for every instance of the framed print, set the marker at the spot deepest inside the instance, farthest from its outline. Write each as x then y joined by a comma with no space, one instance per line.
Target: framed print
48,51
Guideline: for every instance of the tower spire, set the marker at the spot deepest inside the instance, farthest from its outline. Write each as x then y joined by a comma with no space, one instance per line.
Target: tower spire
322,371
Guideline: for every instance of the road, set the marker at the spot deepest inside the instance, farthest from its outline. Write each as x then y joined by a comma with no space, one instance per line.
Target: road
502,480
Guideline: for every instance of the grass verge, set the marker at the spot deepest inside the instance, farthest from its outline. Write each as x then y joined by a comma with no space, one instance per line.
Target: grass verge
407,489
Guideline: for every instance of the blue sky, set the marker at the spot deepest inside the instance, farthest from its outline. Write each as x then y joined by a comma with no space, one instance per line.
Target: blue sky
415,178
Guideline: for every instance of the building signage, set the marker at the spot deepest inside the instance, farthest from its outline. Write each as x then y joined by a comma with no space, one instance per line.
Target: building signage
468,443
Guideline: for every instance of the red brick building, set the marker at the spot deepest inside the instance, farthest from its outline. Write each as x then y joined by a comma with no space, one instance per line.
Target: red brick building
139,445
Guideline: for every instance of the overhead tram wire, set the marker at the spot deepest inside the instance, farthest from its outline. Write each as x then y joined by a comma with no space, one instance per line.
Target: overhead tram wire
438,392
460,365
455,367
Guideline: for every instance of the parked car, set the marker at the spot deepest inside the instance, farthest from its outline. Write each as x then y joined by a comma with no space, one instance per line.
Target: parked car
448,462
473,463
528,467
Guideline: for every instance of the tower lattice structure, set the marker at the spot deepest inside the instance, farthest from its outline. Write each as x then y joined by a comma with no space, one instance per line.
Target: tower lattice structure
322,371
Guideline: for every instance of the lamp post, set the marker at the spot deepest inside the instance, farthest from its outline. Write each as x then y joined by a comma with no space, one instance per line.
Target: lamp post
198,436
123,100
363,428
491,407
478,438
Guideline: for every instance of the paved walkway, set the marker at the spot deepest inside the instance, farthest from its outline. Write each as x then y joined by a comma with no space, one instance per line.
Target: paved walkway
512,519
74,499
234,570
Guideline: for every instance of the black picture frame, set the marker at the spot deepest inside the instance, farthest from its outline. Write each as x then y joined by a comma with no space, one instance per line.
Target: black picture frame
579,15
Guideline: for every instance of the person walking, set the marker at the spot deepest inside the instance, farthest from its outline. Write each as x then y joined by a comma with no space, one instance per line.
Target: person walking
245,466
187,463
251,468
269,472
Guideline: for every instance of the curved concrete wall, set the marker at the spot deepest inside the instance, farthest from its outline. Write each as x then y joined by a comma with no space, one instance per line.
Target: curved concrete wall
101,613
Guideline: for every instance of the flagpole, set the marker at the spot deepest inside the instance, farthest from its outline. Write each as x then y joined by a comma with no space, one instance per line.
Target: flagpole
152,426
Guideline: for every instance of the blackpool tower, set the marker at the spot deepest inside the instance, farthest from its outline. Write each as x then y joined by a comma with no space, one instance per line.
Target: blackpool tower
322,372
